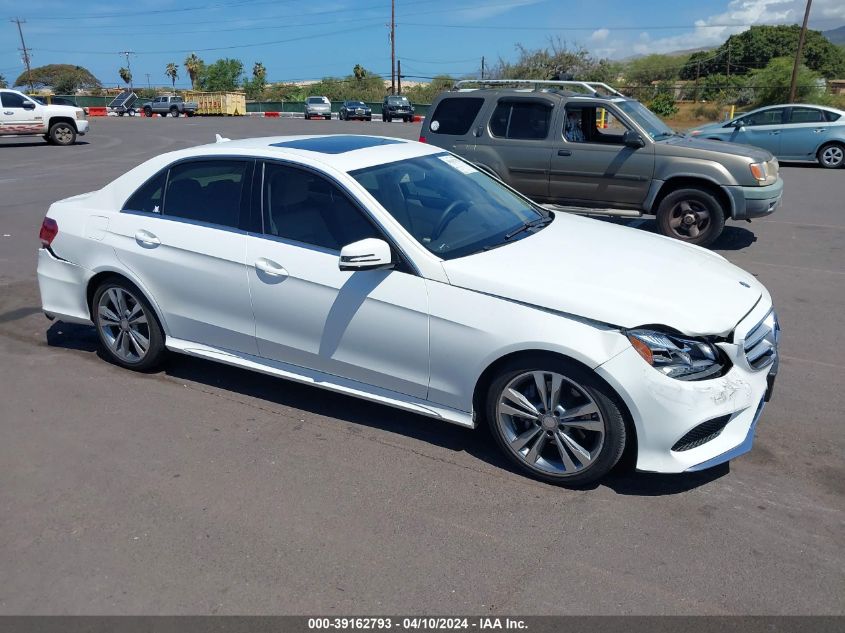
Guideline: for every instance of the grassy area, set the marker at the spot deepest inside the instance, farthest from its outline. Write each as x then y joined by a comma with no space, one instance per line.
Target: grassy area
694,114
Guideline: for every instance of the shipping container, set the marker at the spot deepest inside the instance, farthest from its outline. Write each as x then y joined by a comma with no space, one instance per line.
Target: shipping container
221,103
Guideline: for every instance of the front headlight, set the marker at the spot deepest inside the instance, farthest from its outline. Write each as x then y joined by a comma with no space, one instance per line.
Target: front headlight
676,356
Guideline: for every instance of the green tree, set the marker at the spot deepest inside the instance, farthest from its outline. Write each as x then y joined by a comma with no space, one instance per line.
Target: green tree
359,71
663,104
125,75
63,78
753,49
771,84
222,76
643,70
425,93
194,65
172,72
3,83
557,61
256,86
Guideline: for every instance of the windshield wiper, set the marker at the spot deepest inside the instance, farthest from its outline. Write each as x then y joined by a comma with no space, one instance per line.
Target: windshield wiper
528,226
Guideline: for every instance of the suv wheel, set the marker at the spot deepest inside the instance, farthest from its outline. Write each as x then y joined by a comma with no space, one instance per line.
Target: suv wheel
174,112
386,118
691,215
127,327
148,112
556,421
832,156
62,134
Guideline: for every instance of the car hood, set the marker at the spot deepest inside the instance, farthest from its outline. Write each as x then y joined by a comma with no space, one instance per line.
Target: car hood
614,274
684,143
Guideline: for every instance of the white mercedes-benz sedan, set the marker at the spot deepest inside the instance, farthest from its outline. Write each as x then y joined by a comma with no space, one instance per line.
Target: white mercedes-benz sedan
396,272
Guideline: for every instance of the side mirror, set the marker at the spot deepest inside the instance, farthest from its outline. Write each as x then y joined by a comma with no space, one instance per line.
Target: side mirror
739,123
28,105
368,254
632,139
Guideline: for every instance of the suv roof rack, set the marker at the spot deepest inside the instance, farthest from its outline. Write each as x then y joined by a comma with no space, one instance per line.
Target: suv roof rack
592,88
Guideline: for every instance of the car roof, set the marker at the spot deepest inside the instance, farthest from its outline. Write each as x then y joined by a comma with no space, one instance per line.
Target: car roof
344,152
559,95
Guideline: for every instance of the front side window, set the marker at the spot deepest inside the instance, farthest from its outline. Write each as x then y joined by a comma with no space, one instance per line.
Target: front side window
521,120
806,115
447,205
13,100
455,116
302,206
206,191
773,116
589,123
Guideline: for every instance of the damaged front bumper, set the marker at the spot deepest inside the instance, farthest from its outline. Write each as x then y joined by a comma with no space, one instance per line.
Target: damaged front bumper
693,425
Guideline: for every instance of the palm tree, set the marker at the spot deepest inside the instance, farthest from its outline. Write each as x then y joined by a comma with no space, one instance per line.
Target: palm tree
193,65
359,72
125,75
259,72
172,71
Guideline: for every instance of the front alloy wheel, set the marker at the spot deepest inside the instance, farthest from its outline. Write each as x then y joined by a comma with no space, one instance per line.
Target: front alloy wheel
691,215
127,328
560,427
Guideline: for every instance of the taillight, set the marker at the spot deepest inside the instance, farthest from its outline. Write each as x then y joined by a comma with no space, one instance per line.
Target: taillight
48,232
422,139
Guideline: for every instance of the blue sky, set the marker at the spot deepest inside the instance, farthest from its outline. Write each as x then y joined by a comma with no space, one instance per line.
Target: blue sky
296,41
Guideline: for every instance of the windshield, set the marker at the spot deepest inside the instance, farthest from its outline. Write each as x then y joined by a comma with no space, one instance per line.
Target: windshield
355,104
450,207
316,100
646,119
398,100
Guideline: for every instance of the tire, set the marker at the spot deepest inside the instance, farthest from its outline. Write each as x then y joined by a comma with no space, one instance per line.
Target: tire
832,155
307,117
340,116
62,133
546,448
122,340
386,118
174,112
131,112
691,215
120,113
148,112
369,118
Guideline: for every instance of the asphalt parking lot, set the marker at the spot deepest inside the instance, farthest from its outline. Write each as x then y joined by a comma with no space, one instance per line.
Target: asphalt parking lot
203,489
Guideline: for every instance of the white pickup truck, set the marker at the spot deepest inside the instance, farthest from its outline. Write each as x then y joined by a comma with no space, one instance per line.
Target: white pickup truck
58,124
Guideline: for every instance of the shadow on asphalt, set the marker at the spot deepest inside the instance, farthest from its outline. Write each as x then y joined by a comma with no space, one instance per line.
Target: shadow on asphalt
5,143
622,480
733,237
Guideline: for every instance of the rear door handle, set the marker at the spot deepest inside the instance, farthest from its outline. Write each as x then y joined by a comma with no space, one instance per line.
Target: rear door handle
775,133
147,238
270,267
7,112
819,129
564,152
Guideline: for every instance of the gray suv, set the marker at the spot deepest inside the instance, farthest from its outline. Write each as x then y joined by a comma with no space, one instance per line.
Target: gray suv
319,107
603,154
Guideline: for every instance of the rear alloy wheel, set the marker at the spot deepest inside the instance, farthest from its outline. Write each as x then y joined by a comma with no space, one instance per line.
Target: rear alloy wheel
557,422
62,134
174,112
832,156
128,329
691,215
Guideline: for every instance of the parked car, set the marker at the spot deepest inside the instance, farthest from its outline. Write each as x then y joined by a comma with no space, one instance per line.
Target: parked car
605,155
22,116
355,110
319,107
174,106
798,132
396,272
396,107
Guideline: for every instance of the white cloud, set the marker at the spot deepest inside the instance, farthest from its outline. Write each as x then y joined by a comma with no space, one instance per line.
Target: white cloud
600,35
741,14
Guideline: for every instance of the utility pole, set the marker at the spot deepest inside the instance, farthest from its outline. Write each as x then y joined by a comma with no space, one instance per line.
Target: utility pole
399,76
149,87
392,46
25,51
697,77
482,66
793,84
128,67
728,62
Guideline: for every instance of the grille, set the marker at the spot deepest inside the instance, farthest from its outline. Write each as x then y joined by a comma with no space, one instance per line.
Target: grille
761,343
702,434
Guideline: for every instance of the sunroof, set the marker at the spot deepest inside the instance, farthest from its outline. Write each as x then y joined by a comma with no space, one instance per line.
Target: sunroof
336,144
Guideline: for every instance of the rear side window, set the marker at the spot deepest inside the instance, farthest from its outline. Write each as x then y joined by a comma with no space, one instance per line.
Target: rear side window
521,120
455,116
831,116
148,198
207,191
806,115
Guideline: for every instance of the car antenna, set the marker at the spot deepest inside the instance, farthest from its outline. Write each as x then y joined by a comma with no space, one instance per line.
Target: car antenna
220,139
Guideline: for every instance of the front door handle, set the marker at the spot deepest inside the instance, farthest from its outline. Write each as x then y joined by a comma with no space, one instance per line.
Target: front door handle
818,130
564,152
775,133
145,238
8,113
270,267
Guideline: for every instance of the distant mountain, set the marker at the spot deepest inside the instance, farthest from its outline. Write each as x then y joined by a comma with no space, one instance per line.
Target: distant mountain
681,53
837,36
